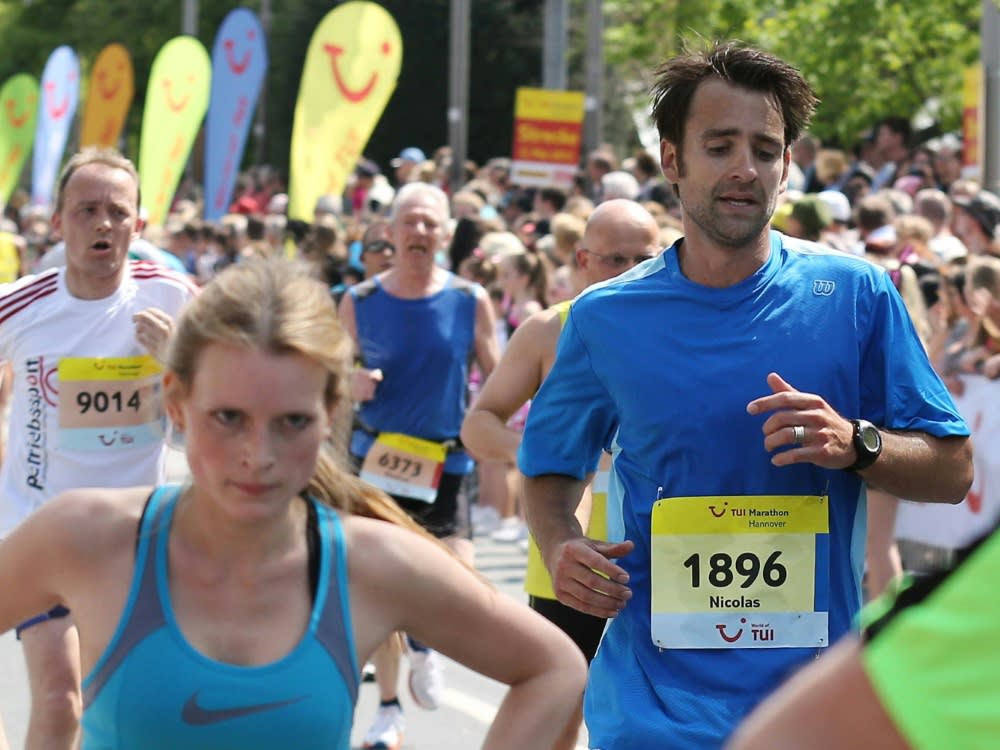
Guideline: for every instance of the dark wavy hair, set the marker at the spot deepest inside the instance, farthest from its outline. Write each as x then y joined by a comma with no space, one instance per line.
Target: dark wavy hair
739,64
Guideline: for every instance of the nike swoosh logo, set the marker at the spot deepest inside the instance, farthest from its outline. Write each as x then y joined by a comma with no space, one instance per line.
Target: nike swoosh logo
196,715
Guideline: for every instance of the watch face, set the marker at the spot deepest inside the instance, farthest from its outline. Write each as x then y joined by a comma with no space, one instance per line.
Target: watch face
870,437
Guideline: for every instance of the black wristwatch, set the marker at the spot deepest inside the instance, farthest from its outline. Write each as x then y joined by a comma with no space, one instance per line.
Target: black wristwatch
867,444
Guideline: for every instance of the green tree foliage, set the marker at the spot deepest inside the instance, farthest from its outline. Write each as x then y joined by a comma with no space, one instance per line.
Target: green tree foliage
866,58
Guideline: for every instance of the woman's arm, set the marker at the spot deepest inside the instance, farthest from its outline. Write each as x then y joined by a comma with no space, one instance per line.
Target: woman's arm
37,559
829,705
77,550
401,581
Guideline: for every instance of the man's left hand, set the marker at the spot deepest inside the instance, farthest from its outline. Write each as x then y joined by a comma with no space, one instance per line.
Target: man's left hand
827,439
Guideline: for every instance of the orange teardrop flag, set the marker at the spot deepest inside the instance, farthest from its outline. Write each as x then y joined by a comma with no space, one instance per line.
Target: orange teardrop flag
109,96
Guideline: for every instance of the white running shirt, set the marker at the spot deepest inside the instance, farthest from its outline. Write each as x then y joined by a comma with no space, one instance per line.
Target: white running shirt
86,406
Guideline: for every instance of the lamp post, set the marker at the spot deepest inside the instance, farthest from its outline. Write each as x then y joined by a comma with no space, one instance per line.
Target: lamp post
989,31
594,74
189,18
554,44
260,120
458,92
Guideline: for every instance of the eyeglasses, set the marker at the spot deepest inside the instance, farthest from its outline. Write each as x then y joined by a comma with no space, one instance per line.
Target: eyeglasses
379,246
618,260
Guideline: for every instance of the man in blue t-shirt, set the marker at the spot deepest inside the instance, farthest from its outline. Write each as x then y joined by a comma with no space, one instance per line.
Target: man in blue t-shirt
756,383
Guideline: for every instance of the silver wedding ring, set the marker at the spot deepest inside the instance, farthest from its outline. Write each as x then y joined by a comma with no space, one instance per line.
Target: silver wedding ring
799,434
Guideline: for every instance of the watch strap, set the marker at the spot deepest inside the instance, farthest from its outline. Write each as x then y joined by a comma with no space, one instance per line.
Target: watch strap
865,457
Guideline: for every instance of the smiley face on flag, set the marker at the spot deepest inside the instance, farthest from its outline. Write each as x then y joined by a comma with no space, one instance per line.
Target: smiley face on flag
176,101
18,113
351,70
109,96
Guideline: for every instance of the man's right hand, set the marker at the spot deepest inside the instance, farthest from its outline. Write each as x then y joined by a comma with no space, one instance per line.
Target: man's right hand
585,578
364,382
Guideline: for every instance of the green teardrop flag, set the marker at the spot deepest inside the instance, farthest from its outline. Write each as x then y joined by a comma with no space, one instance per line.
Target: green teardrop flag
351,70
18,112
176,101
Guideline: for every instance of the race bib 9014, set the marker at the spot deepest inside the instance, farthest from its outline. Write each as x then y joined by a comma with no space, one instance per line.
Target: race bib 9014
110,402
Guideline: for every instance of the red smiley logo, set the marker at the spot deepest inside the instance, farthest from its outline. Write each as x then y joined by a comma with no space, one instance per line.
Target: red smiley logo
731,638
16,120
55,110
352,95
239,66
109,93
178,106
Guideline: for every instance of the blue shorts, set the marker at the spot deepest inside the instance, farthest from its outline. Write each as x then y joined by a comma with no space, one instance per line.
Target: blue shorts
56,613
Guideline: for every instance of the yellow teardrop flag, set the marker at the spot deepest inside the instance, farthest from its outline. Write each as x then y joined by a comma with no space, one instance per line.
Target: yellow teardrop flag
18,113
109,96
351,70
176,101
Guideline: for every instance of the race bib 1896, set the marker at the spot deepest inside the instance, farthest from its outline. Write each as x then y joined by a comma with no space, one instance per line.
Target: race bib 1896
740,572
405,466
109,402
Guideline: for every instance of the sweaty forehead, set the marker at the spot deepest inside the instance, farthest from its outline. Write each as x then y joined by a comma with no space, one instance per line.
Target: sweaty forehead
721,106
422,205
93,182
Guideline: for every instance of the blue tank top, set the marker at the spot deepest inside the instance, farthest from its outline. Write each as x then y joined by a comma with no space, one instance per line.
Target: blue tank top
151,689
424,348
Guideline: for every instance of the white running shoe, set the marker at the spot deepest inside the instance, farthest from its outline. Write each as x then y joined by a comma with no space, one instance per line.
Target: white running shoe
511,530
386,732
485,520
426,679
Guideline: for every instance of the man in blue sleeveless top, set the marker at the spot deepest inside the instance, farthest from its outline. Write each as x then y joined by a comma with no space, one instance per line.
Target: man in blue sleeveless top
417,328
756,384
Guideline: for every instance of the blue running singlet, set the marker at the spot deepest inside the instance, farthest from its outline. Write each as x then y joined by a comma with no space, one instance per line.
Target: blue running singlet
424,348
152,689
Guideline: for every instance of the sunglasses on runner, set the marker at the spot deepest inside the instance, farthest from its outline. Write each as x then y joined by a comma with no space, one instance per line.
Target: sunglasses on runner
618,260
379,246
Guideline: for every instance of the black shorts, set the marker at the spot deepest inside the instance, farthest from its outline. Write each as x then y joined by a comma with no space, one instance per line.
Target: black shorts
447,516
585,630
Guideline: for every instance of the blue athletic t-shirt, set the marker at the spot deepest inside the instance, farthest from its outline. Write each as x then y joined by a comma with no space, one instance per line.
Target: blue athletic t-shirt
151,689
672,365
423,348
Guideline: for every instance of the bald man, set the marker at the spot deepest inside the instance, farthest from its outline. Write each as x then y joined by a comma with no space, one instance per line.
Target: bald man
619,235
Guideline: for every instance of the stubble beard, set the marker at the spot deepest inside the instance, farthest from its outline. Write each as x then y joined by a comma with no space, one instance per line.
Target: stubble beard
726,232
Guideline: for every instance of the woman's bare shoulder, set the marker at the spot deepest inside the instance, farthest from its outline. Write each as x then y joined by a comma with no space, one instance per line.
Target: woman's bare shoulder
381,551
93,517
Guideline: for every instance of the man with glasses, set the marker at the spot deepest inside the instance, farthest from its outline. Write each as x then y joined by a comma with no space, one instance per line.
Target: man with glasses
377,250
618,261
619,235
